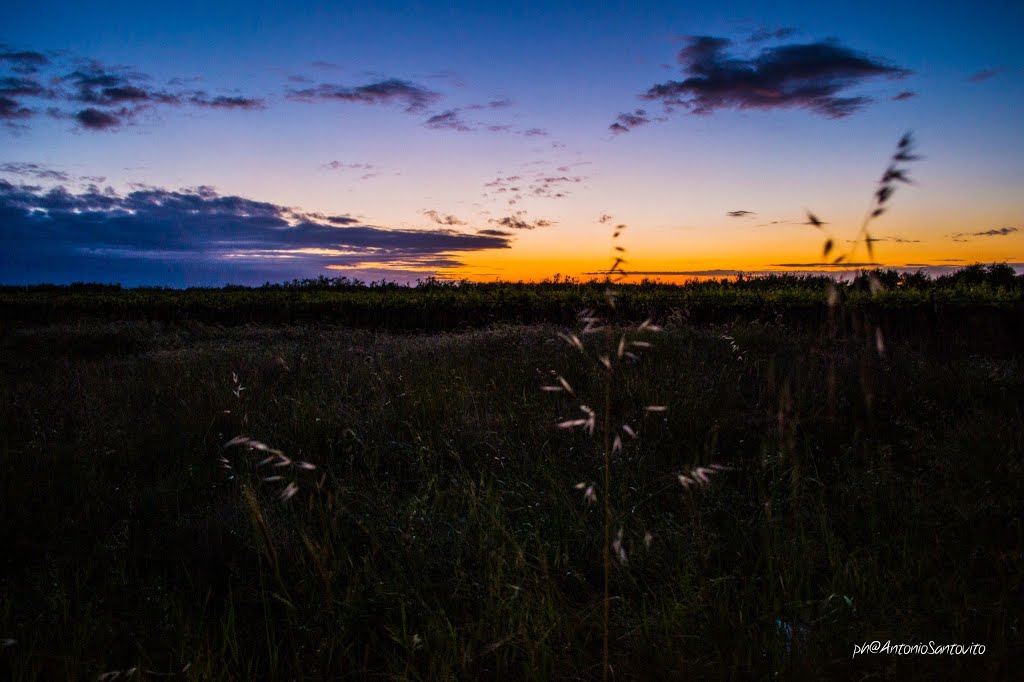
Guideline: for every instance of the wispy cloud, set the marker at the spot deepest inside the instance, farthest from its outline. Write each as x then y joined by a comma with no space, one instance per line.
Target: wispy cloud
449,120
816,76
904,95
844,271
674,273
827,265
23,61
91,94
517,221
893,239
626,122
413,98
766,34
96,234
466,119
543,185
35,170
202,99
443,219
996,232
983,75
739,214
366,170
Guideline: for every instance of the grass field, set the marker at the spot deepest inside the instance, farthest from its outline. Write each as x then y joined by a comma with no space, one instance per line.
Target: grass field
873,493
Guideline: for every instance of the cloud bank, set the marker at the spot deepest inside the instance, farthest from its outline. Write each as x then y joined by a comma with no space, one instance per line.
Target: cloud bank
200,237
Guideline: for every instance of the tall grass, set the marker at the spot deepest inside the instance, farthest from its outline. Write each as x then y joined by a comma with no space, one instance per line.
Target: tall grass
446,540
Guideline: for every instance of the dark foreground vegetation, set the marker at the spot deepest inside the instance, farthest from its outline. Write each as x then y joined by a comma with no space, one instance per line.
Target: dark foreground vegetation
874,493
436,305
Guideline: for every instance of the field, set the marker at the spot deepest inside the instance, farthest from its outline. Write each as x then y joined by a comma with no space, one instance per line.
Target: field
869,483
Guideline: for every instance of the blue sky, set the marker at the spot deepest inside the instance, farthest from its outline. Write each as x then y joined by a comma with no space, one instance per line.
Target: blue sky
284,105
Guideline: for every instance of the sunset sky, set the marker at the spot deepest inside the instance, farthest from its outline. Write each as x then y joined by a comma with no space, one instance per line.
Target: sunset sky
194,143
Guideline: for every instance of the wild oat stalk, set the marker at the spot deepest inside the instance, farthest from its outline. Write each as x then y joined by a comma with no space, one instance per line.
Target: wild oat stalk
617,350
280,469
894,173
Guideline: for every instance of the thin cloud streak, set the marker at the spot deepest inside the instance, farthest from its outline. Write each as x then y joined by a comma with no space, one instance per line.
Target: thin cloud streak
412,98
997,232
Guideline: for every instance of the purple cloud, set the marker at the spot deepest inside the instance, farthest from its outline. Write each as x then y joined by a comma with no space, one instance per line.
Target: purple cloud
815,76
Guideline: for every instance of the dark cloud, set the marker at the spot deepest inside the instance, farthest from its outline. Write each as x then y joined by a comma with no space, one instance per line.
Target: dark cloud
23,62
739,214
100,85
95,96
626,122
517,222
1001,232
604,218
225,102
413,98
94,119
340,165
494,233
983,75
535,132
443,219
11,110
12,86
332,219
997,232
448,120
815,76
198,236
904,95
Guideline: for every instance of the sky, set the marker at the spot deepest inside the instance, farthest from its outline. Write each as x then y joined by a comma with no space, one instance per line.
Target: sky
201,144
